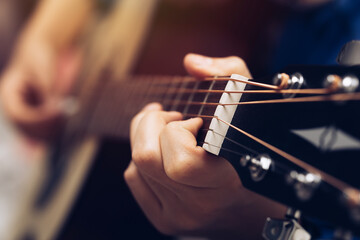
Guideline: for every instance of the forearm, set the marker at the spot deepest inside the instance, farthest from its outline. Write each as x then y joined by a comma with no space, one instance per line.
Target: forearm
59,22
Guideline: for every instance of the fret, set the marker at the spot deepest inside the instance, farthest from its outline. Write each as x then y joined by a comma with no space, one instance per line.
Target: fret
162,89
107,103
170,96
178,95
145,96
113,105
191,97
136,88
198,97
206,97
89,97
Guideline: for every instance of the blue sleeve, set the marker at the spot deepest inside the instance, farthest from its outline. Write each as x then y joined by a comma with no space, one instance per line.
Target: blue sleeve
316,36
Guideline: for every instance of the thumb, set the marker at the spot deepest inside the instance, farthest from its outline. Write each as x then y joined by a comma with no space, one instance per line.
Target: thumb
192,125
202,66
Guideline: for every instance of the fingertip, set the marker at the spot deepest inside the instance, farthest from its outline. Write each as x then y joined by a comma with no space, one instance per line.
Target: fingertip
195,120
174,116
193,124
153,107
198,65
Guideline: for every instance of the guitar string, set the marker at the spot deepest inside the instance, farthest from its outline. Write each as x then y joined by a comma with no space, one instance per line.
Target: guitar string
295,91
340,97
328,98
342,186
279,167
222,148
219,79
231,140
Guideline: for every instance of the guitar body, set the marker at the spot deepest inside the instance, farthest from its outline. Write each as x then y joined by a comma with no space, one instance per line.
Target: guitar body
42,198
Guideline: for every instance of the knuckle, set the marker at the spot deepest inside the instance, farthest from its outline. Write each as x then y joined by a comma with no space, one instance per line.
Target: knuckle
129,175
170,131
153,115
171,126
136,118
144,157
180,169
237,61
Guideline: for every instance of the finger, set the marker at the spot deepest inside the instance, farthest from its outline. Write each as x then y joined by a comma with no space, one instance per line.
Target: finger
202,66
142,192
30,101
146,151
68,68
154,199
135,121
21,102
189,164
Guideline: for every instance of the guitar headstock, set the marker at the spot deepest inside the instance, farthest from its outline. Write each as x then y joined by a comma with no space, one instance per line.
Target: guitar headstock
296,140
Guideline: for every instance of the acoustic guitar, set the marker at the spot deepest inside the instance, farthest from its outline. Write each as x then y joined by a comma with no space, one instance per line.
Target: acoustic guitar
292,137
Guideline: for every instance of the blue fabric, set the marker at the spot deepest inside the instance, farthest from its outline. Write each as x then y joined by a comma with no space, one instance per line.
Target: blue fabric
316,36
324,231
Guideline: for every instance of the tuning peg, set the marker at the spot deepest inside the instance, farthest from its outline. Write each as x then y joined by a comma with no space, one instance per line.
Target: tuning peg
304,184
348,83
258,166
285,229
293,82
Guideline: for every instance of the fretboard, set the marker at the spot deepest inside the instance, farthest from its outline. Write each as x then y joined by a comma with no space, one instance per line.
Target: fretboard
116,103
109,107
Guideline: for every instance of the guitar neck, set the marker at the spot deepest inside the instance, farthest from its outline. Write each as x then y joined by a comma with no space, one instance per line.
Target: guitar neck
109,108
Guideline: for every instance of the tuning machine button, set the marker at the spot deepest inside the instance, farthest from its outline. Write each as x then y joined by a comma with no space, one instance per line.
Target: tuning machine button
258,166
304,184
288,228
293,82
348,83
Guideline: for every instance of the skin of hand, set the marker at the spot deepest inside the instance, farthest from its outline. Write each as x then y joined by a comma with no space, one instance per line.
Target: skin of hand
182,189
43,66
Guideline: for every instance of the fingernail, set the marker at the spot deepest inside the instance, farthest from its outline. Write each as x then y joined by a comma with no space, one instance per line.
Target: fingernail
200,60
152,106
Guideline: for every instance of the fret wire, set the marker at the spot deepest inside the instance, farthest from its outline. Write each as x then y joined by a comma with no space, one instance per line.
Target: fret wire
129,108
146,97
104,106
191,97
206,98
179,94
169,96
94,99
164,94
